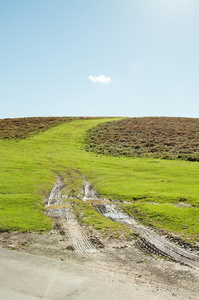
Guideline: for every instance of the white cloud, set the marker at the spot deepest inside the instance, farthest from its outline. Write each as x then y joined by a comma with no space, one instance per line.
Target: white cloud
100,78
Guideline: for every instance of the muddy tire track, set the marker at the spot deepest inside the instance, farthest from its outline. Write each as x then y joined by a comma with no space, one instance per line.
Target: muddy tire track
57,209
148,241
79,239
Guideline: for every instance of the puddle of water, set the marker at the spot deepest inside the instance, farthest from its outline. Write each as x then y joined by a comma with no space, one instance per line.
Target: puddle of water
116,215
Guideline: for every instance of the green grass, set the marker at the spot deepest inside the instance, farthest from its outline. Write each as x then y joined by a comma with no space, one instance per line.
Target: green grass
28,167
22,212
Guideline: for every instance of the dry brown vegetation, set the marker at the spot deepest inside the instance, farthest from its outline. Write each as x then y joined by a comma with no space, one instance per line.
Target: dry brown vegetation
159,137
21,128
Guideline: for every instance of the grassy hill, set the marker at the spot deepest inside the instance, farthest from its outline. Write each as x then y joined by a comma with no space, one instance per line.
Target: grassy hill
28,172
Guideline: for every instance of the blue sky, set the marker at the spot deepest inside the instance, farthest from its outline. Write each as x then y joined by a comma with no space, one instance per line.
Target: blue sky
148,50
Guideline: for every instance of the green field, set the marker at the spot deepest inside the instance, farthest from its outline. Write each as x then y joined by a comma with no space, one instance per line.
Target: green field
28,172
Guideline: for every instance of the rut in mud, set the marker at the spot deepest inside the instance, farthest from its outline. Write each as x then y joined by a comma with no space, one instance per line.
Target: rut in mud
148,241
57,209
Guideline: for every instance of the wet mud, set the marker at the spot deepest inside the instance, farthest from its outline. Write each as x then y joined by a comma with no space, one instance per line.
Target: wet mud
58,209
148,241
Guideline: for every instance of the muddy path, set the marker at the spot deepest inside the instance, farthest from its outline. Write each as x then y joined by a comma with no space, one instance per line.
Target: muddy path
148,241
57,209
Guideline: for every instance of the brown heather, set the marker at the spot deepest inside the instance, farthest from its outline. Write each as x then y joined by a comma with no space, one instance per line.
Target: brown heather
158,137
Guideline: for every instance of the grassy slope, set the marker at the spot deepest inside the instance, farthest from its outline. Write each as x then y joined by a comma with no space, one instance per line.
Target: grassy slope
28,167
